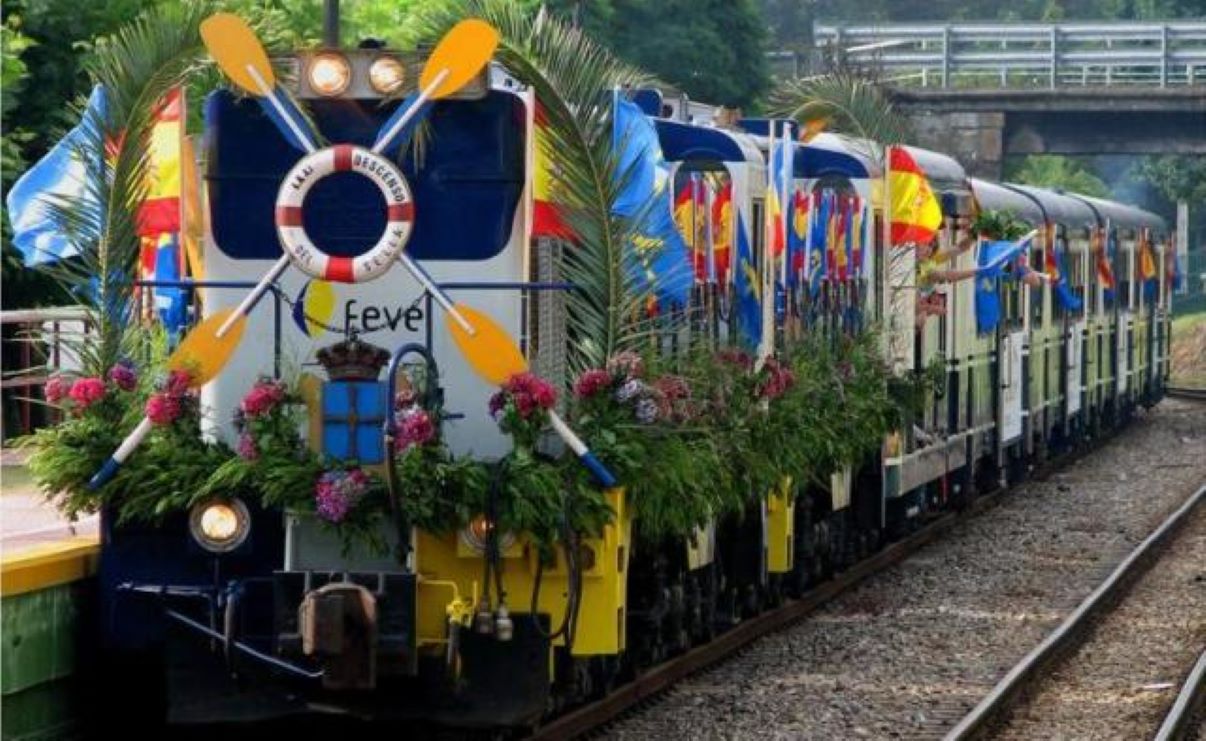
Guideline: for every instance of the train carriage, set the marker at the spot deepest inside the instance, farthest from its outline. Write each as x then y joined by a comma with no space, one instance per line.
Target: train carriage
481,628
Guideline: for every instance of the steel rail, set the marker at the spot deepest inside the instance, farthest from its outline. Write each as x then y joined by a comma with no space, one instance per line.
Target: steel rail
1178,392
1074,629
662,676
588,717
1185,708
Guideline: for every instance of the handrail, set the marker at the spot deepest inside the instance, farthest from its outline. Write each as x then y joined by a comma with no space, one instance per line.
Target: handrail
1157,54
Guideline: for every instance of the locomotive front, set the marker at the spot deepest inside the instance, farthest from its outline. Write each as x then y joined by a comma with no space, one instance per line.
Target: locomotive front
370,238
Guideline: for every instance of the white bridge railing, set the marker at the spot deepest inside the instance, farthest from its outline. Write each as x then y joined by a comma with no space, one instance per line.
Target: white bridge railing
978,55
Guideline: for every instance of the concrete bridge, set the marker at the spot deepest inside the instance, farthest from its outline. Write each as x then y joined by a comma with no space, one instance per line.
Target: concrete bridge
981,127
984,91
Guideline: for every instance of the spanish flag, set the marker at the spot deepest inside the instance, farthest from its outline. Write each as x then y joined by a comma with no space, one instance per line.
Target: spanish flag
1105,273
1147,260
690,216
722,231
546,216
914,210
160,211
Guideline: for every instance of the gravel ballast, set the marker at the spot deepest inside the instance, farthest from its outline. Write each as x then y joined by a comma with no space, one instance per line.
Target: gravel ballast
1121,682
909,651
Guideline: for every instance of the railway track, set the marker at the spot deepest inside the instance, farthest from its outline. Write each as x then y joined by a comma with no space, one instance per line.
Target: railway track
1189,394
1188,708
645,687
1026,676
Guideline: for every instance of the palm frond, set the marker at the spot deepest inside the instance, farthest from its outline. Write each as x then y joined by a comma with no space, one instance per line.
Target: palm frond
137,66
851,105
574,79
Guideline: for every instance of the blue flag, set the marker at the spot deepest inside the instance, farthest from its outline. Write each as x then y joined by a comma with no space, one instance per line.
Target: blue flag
1063,290
816,256
662,256
994,257
58,176
170,302
745,282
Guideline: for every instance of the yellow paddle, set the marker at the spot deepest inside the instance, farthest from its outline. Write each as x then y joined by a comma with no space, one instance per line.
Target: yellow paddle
456,60
495,356
203,355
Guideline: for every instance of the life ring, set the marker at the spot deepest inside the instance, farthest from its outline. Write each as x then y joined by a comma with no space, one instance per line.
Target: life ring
301,249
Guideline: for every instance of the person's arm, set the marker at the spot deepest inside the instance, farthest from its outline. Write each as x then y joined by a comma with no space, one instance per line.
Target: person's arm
952,276
962,243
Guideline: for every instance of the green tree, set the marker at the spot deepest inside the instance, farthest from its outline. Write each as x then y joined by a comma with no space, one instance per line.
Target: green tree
1177,177
714,50
1055,171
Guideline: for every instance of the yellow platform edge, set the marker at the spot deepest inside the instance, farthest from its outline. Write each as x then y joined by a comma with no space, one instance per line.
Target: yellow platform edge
45,565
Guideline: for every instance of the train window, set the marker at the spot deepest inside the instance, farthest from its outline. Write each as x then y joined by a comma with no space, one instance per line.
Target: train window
1038,261
1124,276
466,190
1076,275
1011,300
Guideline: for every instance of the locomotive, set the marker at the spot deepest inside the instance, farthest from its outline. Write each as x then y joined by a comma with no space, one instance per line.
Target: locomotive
240,612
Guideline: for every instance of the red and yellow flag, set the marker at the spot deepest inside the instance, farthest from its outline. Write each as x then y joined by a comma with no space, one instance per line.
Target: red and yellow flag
1105,273
160,212
546,217
691,218
915,212
1147,259
722,231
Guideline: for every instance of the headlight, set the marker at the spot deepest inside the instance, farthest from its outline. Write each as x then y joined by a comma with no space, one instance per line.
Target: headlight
219,525
329,74
477,532
386,75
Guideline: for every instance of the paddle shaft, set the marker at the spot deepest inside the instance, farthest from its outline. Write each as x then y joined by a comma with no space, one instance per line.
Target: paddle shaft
440,296
111,466
596,467
425,95
270,93
251,298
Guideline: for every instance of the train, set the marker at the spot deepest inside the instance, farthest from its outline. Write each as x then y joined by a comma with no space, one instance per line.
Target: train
239,611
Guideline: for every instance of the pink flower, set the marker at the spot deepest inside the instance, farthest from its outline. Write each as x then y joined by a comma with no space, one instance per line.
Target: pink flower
162,409
739,358
417,428
673,387
87,391
528,392
626,364
591,382
338,492
247,449
777,380
57,389
263,398
178,382
124,376
497,402
405,398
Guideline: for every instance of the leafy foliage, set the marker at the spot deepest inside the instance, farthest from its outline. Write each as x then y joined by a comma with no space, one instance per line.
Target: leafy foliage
574,78
847,103
999,225
136,67
1055,171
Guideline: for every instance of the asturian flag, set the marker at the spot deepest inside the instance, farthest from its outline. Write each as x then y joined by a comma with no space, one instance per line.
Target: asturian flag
821,220
645,196
59,176
749,299
991,267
